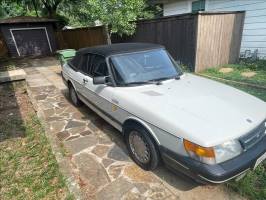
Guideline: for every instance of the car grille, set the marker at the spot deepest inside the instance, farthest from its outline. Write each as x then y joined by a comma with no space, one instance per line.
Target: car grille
253,137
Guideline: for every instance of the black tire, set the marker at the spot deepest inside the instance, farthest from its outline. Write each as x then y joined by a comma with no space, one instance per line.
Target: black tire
73,96
154,158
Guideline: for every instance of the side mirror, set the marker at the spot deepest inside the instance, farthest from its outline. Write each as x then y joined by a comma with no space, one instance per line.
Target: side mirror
100,80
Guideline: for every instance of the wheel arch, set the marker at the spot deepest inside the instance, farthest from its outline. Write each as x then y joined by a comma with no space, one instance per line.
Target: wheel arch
70,82
135,120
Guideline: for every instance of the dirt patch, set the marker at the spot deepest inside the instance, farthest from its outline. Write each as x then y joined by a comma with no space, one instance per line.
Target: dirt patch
226,70
248,74
14,109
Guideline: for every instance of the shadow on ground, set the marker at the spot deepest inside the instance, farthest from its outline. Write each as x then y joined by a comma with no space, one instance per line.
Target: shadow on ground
11,102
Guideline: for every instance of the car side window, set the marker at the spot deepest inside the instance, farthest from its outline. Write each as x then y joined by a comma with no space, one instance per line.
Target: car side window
84,66
75,62
99,66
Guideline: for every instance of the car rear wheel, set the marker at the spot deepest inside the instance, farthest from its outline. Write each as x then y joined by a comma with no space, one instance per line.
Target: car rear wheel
73,96
142,148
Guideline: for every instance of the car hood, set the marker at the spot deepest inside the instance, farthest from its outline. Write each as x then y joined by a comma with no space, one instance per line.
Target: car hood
195,108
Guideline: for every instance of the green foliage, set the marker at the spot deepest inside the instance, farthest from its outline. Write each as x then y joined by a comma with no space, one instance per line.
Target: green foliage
9,8
50,6
117,14
253,185
237,70
254,65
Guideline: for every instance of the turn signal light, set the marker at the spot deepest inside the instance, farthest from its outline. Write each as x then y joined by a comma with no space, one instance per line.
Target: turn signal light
199,150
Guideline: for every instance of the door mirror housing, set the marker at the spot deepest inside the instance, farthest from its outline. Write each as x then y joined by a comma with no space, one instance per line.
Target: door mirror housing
101,80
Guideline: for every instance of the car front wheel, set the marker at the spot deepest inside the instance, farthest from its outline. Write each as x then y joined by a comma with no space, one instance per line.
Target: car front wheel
142,148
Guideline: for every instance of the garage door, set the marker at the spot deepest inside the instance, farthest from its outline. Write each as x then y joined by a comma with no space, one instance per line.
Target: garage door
31,41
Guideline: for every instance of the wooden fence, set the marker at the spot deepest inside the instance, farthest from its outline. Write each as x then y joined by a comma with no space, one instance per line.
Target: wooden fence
3,48
80,37
199,40
218,39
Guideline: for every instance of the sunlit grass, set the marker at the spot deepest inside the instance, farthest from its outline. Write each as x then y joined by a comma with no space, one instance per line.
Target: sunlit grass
28,168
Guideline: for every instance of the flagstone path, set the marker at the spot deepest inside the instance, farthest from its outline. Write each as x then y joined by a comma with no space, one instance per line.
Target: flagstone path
92,155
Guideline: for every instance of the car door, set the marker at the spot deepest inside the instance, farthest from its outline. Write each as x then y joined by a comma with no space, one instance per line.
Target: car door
98,95
74,72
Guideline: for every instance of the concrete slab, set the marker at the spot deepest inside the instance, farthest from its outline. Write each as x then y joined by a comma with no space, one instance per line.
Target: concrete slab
37,80
13,75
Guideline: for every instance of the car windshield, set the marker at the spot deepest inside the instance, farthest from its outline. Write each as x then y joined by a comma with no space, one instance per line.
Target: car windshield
144,67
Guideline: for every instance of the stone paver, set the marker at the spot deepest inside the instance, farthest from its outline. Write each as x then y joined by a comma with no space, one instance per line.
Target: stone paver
95,161
81,143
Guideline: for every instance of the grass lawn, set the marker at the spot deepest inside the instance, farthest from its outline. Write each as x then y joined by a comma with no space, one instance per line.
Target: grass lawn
259,77
28,168
253,185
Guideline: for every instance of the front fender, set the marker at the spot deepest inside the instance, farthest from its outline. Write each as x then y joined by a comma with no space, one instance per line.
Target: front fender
145,125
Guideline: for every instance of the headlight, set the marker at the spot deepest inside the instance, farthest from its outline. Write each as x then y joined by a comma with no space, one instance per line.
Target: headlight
227,150
213,155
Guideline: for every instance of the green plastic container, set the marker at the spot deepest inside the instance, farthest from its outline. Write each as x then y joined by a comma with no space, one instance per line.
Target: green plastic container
65,55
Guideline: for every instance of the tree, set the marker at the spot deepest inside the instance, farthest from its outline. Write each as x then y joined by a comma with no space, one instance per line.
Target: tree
9,8
34,3
117,16
51,7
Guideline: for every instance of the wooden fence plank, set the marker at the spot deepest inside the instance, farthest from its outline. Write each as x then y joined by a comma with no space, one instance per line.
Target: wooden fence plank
200,40
81,37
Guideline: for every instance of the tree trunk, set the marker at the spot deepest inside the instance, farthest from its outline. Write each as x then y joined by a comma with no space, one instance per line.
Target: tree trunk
108,35
35,7
52,13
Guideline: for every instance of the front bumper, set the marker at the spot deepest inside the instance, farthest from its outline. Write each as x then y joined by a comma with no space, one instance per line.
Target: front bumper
218,173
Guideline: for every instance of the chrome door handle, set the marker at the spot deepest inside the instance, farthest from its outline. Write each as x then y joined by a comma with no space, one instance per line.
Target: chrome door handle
85,80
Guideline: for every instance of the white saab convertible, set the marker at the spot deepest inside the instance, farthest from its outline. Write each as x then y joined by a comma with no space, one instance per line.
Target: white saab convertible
205,129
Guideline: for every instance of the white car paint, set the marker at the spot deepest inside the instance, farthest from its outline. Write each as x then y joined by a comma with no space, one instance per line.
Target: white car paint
203,111
200,110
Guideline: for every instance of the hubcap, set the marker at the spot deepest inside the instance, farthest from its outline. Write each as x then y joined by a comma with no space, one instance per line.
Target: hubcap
139,147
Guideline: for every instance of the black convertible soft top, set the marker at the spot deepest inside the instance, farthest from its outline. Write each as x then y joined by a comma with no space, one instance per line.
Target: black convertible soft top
119,48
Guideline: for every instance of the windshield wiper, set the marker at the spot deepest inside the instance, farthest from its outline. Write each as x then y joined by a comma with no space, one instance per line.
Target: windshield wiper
157,81
177,77
140,82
